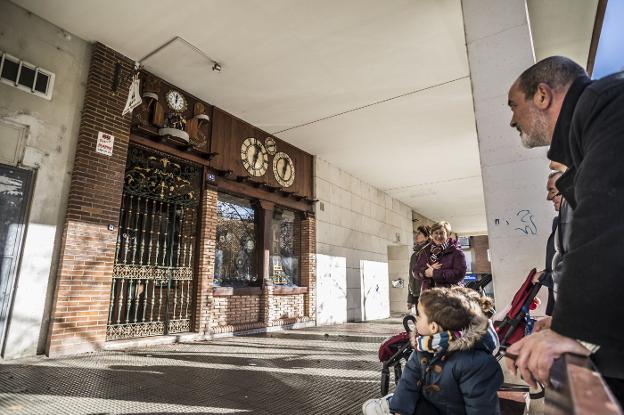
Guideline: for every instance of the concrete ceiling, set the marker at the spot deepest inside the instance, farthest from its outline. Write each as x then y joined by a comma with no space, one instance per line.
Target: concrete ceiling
380,89
562,27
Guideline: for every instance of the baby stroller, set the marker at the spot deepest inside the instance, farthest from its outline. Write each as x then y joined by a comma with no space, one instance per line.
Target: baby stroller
393,352
518,323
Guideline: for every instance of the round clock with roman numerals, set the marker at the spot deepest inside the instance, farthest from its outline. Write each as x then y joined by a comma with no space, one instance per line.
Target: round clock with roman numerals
254,157
283,169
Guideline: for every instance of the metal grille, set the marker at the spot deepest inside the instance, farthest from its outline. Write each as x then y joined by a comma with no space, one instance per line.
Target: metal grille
152,288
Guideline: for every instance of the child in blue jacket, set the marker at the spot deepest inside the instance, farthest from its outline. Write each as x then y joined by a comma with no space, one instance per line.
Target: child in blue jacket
453,370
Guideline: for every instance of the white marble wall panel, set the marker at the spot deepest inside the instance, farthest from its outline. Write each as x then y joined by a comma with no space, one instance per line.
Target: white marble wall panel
331,289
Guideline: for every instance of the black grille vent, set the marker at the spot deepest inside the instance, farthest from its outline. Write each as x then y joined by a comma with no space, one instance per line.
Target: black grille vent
26,76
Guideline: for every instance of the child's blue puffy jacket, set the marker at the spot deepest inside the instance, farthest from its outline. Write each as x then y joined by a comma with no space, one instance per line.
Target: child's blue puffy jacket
460,381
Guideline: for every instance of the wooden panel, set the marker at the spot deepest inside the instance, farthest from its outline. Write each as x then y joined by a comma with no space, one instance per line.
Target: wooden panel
228,134
151,115
250,191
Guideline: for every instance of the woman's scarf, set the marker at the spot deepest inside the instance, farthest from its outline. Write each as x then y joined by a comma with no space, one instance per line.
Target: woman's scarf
437,250
437,342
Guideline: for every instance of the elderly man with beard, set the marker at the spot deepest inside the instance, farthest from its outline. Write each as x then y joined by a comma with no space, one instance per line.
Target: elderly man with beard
555,103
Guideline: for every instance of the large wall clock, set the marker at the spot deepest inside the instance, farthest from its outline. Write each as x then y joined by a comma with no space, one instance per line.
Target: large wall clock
254,156
283,169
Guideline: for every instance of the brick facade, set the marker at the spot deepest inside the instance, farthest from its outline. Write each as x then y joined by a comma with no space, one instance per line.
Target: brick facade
237,309
308,265
206,258
80,311
287,307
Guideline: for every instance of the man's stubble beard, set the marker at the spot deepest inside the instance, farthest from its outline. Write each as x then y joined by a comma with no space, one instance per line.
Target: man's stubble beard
537,136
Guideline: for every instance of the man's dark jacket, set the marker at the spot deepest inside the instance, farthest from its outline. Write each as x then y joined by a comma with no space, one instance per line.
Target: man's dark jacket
547,279
589,139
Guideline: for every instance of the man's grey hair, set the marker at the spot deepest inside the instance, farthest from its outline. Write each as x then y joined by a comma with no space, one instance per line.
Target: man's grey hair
556,71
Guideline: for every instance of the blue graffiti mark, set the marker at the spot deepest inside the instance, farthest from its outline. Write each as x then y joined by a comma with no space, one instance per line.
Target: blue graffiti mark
526,218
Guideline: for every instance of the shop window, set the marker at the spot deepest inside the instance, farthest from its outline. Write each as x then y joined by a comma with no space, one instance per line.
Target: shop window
235,256
285,242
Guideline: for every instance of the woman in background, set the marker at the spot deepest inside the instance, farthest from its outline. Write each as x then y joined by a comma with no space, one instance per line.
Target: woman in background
423,239
442,262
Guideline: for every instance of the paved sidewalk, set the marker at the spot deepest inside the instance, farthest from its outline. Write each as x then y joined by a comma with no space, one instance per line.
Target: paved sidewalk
320,370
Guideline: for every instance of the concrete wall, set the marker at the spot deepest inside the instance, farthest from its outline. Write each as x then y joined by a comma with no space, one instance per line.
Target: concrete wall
51,130
398,268
356,223
514,179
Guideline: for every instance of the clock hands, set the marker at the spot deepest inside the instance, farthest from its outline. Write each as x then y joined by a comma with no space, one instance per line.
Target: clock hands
256,155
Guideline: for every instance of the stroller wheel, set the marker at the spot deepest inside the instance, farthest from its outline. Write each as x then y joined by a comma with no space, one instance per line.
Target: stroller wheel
385,381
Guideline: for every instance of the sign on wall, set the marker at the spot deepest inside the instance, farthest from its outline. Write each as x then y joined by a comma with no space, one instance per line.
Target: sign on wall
105,144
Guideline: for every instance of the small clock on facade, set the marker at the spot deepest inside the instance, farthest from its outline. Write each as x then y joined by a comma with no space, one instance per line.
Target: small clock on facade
283,169
254,156
176,101
270,145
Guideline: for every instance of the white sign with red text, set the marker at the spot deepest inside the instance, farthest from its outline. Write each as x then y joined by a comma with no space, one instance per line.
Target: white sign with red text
105,144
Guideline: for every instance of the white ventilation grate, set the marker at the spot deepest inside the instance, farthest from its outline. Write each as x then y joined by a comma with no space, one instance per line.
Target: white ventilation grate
26,76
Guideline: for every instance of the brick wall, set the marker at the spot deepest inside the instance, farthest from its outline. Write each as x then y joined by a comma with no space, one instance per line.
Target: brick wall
287,307
233,310
308,265
479,246
204,318
80,311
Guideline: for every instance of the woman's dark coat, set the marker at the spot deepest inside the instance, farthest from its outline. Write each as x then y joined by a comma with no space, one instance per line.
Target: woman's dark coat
453,268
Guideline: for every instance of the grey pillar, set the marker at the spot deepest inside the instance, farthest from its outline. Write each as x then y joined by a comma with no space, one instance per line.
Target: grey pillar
519,219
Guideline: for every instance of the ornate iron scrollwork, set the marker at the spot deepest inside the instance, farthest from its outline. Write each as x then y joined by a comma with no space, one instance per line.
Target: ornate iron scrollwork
157,176
151,291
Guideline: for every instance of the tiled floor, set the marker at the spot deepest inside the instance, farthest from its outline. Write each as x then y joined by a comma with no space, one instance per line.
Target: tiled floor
313,371
321,370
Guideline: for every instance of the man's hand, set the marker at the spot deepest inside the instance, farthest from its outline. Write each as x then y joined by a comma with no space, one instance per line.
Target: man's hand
537,352
542,324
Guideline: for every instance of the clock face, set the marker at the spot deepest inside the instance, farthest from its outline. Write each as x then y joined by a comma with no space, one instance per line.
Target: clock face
270,146
283,169
176,100
254,156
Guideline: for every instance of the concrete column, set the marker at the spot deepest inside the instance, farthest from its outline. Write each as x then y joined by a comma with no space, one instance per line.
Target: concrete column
519,219
398,267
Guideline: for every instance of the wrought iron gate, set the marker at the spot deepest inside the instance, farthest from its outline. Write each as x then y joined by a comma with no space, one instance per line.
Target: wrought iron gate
153,284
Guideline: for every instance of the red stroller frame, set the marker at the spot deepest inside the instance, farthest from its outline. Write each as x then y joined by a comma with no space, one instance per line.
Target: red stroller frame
513,326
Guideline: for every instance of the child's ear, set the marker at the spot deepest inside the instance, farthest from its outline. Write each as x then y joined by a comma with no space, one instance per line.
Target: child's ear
435,327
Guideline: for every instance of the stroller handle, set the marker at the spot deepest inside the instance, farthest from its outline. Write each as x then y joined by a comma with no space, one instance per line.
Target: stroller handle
406,320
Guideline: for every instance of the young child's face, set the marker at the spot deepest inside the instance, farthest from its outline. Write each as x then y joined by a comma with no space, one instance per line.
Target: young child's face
423,325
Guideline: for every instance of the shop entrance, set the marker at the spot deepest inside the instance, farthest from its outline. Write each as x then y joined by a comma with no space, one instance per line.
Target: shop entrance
15,189
154,273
